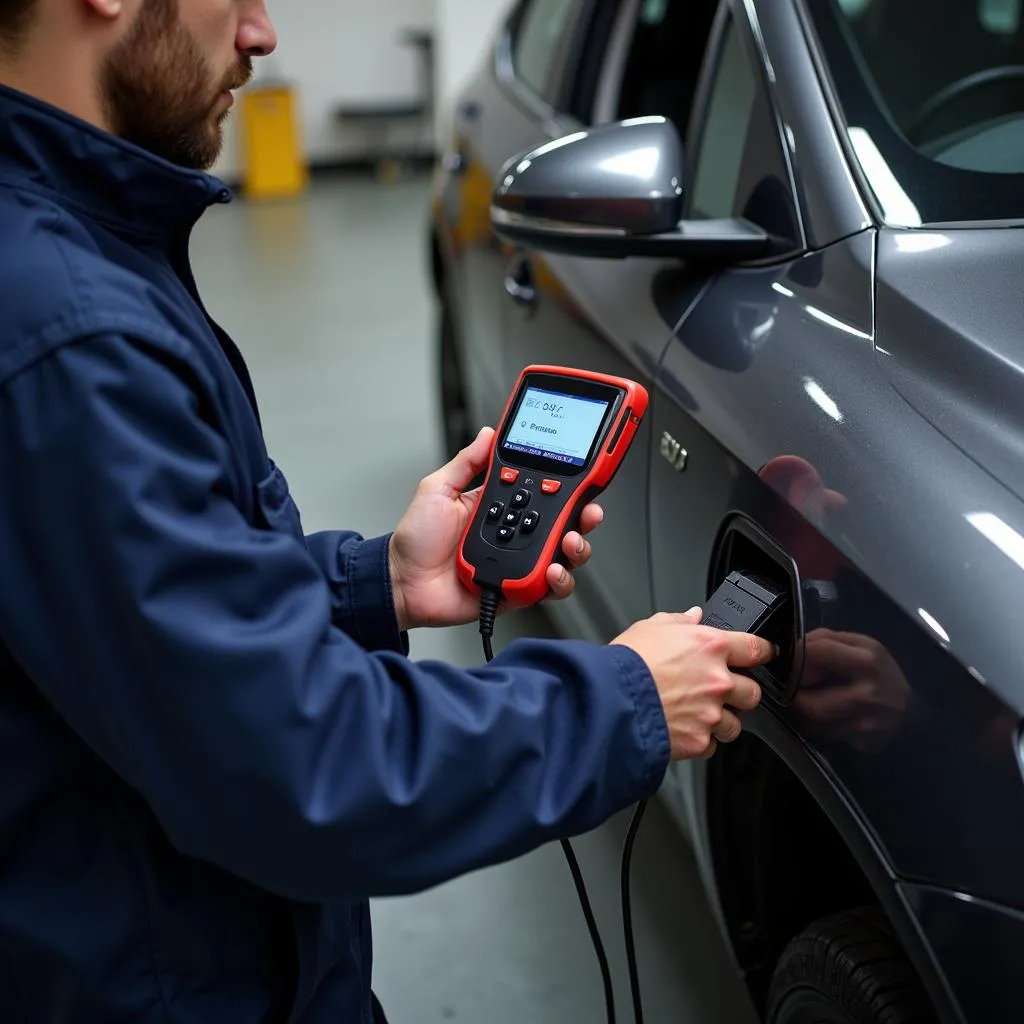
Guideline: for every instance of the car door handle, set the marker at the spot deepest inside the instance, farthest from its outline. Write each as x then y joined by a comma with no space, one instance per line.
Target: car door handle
519,282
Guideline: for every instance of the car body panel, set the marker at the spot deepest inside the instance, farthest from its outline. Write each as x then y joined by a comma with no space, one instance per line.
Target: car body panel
978,945
729,391
949,315
793,750
816,394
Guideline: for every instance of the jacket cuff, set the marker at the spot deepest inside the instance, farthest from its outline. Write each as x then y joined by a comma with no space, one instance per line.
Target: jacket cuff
650,714
371,603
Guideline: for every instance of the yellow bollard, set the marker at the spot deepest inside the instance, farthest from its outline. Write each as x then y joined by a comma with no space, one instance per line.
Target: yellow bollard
274,167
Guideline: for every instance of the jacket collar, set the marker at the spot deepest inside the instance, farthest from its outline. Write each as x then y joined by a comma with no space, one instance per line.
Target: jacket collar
48,150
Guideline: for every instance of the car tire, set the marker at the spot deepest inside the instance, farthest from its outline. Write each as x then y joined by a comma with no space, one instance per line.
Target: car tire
454,409
847,969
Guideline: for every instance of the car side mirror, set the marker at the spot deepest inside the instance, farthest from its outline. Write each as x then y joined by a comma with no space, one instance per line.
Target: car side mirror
614,191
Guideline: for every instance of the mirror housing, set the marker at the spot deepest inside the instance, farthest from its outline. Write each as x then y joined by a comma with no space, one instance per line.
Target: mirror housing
613,191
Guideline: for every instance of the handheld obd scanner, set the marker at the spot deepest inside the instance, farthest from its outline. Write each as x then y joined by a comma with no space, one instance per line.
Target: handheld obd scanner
561,440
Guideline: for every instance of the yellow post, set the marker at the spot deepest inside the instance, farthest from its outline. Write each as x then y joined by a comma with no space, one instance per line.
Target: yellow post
273,163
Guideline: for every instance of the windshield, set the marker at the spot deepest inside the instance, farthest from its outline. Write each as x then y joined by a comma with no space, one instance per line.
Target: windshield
932,92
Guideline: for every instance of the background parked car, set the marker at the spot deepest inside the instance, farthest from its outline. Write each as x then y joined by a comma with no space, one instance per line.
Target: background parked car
837,409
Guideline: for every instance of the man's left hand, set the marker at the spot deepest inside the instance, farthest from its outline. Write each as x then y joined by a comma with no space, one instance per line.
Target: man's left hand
427,589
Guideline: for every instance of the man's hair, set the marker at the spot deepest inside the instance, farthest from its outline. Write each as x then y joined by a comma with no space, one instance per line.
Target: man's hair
15,17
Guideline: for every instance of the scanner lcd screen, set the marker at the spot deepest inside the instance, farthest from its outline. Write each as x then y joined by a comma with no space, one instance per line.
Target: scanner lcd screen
556,426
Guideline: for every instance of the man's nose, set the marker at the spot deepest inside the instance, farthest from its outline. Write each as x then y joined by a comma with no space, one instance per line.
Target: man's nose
256,35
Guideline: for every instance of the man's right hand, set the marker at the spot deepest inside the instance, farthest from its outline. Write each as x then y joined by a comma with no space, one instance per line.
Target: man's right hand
691,665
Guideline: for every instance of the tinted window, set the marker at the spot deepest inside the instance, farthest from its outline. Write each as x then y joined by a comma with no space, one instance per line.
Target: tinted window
662,70
932,94
542,31
740,170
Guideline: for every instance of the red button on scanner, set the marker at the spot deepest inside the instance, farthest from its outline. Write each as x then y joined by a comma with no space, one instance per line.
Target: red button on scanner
508,475
551,486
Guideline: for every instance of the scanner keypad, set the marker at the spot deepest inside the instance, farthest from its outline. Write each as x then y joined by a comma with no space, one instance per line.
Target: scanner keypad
519,519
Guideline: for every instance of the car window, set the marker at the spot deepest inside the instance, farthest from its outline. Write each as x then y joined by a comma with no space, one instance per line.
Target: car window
653,60
738,167
932,98
541,33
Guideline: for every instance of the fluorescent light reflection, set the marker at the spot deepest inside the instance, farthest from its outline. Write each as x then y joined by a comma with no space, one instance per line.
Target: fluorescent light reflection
1005,537
638,163
825,318
921,241
822,399
549,147
896,205
934,625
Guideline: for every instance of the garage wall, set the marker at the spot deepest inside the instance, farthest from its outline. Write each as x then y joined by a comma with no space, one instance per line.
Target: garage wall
337,52
465,28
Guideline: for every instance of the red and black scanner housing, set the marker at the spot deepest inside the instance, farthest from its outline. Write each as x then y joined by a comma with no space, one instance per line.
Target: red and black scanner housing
531,500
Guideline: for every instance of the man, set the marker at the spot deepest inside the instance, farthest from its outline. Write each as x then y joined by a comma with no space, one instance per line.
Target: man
215,746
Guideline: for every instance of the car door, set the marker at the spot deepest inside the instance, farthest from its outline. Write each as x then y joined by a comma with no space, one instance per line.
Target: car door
755,388
508,106
737,168
612,316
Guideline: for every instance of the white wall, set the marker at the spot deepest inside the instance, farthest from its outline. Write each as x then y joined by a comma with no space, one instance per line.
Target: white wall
465,28
337,52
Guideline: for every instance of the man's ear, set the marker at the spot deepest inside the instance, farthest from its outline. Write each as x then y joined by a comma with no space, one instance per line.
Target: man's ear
109,9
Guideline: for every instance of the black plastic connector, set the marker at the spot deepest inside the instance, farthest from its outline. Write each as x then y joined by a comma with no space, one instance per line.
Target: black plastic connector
746,604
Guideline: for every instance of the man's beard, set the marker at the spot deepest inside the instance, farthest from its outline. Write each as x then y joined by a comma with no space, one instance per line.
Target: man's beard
161,94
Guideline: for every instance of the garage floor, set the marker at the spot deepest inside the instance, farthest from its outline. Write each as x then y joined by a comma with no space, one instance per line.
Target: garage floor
327,297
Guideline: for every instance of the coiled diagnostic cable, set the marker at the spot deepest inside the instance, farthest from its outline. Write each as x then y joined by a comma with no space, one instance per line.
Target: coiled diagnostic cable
489,602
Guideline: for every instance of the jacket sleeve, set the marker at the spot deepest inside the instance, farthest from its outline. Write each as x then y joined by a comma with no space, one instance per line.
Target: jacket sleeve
359,577
198,658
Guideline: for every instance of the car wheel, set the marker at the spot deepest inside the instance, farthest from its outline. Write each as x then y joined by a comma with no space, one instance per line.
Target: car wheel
454,409
847,969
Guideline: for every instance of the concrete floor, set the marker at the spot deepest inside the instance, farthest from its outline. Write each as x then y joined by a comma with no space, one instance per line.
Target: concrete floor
328,298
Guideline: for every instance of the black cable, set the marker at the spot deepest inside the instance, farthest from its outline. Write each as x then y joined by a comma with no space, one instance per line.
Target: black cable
595,934
489,601
627,911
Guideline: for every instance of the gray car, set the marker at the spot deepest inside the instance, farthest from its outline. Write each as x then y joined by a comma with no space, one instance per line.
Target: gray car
800,223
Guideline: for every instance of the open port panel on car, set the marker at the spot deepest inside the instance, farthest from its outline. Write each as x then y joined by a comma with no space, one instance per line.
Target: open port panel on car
743,546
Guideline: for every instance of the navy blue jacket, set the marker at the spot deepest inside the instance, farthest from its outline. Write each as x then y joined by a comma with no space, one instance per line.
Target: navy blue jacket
215,746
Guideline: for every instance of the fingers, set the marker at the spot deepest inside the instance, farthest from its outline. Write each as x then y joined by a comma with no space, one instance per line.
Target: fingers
746,694
473,496
712,749
459,473
729,729
574,546
560,581
577,549
591,518
743,650
689,618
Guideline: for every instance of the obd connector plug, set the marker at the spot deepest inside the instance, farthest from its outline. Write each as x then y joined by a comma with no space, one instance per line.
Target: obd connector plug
750,604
